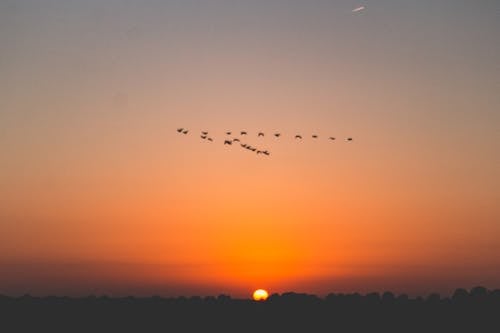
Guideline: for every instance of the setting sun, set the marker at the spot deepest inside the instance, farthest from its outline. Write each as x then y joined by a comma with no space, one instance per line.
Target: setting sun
260,295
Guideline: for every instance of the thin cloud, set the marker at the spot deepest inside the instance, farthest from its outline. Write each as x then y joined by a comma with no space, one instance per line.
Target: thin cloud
360,8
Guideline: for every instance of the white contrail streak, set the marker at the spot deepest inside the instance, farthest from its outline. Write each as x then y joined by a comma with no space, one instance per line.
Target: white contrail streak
360,8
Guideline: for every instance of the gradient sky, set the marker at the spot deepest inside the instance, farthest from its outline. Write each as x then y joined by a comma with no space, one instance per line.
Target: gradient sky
100,194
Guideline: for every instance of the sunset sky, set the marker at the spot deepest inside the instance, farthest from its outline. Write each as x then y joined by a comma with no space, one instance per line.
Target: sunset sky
99,194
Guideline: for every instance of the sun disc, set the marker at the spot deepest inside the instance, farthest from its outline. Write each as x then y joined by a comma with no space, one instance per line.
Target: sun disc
260,295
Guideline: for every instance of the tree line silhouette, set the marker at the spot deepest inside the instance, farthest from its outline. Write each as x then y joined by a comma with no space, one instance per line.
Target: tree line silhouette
476,310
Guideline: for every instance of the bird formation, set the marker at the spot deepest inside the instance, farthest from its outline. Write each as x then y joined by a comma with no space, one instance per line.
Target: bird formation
229,141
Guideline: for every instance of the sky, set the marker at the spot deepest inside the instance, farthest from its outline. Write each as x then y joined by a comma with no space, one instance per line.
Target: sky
99,194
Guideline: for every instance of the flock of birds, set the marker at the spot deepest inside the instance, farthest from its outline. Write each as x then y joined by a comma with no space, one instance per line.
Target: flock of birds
230,141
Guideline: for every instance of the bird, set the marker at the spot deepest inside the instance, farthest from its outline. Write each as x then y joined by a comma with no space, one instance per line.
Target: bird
298,137
210,139
277,135
253,149
203,137
185,132
358,9
315,136
228,142
236,139
180,130
265,152
228,133
204,133
349,139
259,152
331,138
243,133
260,134
244,145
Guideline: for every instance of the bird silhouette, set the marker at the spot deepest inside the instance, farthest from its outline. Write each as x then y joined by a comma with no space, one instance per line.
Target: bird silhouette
331,138
260,134
228,142
203,137
210,139
349,139
259,152
204,133
277,135
180,130
228,133
244,145
315,136
253,149
185,132
236,140
265,152
298,137
243,133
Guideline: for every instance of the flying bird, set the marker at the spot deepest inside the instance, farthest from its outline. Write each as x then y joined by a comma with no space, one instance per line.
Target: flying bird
253,149
315,136
358,9
203,137
228,133
260,134
331,138
210,139
298,137
237,140
244,145
243,133
259,152
349,139
265,152
277,135
228,142
180,130
185,132
204,133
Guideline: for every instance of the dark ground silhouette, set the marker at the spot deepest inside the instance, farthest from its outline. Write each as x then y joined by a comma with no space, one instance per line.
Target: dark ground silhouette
477,310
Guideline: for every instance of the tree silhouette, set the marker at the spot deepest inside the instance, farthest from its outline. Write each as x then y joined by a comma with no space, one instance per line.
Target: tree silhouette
476,311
